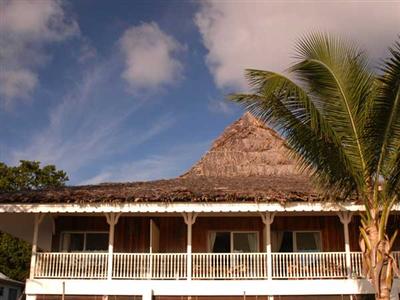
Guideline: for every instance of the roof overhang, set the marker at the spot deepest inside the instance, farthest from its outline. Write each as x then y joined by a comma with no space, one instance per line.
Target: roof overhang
165,207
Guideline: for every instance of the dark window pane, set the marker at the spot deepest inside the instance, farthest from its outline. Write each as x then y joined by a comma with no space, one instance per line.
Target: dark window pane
287,242
76,242
12,294
222,242
245,242
308,241
96,241
72,242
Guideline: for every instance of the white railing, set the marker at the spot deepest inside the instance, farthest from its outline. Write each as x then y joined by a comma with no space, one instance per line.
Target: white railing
309,265
357,264
204,265
149,266
229,266
71,265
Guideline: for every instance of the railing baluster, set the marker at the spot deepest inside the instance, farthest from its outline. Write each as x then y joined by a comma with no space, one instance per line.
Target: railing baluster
205,265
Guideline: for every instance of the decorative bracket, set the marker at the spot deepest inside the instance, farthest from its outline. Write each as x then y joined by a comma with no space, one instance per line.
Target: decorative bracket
112,218
39,218
268,217
345,217
190,218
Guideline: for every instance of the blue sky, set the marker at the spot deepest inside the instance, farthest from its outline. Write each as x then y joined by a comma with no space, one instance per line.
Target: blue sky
134,90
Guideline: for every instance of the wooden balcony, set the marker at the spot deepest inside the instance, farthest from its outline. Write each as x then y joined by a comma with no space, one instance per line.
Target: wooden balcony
205,266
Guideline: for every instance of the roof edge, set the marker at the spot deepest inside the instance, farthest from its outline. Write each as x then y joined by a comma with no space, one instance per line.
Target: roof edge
162,207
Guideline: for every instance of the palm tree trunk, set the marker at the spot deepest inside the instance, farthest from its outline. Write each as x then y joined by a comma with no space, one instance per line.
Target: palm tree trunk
378,265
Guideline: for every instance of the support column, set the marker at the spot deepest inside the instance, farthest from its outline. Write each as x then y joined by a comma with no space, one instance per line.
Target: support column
112,220
268,219
37,220
345,219
395,293
148,295
189,218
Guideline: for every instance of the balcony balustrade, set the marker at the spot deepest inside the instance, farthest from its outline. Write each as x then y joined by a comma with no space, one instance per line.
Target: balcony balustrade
205,266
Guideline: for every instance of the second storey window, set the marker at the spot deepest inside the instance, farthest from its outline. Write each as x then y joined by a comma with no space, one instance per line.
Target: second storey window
296,241
236,242
84,241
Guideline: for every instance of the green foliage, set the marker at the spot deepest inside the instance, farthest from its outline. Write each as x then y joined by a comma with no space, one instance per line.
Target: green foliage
28,175
340,119
14,257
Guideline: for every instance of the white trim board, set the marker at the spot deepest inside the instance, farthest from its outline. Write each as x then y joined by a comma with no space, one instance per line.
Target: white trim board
161,207
201,287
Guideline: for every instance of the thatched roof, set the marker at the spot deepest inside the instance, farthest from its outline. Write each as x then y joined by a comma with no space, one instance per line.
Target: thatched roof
246,148
191,189
248,162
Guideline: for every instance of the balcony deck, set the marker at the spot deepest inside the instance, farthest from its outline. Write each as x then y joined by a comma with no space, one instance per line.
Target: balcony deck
205,266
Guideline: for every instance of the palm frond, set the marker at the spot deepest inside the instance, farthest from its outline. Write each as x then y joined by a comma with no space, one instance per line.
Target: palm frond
383,129
285,106
336,75
393,185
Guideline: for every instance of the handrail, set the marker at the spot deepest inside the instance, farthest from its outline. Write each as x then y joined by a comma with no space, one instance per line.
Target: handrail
309,265
229,266
149,265
206,266
80,265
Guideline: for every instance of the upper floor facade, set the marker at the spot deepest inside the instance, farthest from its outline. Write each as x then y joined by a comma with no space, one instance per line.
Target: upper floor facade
153,250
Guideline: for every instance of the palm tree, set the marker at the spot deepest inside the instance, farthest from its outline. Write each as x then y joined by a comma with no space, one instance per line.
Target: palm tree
341,120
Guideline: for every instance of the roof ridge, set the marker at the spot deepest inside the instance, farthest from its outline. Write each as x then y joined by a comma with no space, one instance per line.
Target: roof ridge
246,147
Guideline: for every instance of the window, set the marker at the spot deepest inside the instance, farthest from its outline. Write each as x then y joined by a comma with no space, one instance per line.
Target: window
238,242
1,291
307,241
296,241
12,294
84,241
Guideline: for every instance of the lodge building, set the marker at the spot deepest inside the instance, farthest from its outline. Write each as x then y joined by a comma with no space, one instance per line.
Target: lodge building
242,223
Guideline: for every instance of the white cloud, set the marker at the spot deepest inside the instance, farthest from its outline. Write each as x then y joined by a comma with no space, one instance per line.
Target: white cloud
240,35
169,164
17,83
220,106
26,27
150,57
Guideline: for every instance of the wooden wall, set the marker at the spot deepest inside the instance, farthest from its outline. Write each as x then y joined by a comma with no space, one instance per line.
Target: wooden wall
204,225
330,227
172,234
77,224
132,234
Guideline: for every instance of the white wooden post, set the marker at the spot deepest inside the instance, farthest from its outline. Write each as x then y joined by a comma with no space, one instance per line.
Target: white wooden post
189,218
395,293
147,295
345,219
37,220
112,220
268,219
